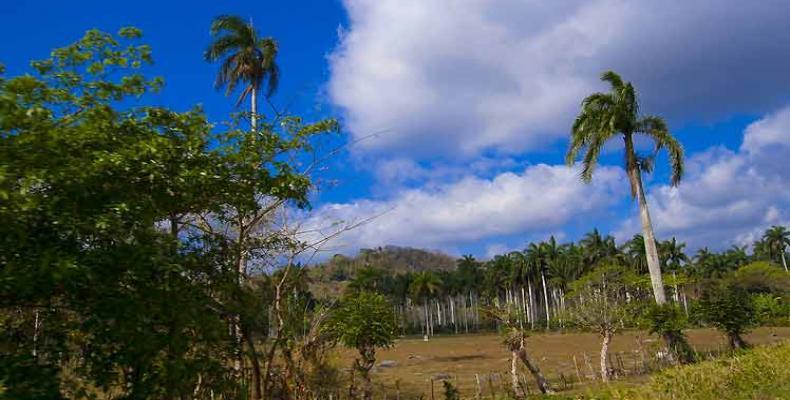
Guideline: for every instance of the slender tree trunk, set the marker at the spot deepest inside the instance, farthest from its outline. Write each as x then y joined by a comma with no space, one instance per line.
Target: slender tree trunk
427,320
452,313
254,109
257,383
36,326
607,339
531,305
651,252
545,300
784,262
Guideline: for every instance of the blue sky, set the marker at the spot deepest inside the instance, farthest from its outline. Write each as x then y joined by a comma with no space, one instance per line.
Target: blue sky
462,107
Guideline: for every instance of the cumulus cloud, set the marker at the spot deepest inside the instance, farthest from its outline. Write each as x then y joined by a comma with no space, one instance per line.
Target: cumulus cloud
728,197
539,199
457,77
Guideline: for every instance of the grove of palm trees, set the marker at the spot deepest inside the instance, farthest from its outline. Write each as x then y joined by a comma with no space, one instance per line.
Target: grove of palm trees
154,251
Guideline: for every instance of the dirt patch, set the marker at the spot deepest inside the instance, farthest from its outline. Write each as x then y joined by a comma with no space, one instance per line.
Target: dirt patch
459,358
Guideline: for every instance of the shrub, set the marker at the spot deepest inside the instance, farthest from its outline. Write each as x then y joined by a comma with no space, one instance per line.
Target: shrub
762,277
770,309
728,308
668,322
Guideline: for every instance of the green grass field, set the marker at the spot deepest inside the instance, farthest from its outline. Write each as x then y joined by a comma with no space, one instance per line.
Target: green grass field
412,363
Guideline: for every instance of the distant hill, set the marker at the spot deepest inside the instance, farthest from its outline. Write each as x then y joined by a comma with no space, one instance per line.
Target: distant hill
332,274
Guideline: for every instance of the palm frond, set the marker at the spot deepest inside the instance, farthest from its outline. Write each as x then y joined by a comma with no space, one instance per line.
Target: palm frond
656,128
229,23
613,78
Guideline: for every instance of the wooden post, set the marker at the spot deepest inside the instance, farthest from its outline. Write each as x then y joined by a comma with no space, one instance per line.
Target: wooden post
432,396
478,390
576,366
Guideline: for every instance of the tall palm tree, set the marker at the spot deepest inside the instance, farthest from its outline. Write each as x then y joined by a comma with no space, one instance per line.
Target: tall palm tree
538,257
246,59
424,286
605,116
776,239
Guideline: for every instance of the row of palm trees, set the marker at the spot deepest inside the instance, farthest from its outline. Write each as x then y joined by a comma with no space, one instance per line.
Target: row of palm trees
536,282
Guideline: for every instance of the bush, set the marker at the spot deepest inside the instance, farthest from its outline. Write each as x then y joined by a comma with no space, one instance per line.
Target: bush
668,322
728,308
762,277
771,310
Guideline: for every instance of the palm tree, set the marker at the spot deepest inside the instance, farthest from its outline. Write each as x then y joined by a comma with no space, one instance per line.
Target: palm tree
424,285
538,257
673,255
608,115
776,239
247,59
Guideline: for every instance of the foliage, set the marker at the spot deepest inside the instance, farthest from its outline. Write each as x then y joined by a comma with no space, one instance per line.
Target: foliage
450,392
771,310
363,320
248,58
762,277
668,321
111,267
727,307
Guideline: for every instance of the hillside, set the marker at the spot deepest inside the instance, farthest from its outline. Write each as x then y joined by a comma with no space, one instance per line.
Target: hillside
329,278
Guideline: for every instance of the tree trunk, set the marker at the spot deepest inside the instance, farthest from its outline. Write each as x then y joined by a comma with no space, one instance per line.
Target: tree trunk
546,300
257,383
363,365
427,323
784,262
514,375
543,384
736,341
254,109
531,305
651,252
607,339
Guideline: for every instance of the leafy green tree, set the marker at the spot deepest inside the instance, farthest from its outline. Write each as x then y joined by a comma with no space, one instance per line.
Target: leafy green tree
246,59
363,321
112,260
600,308
605,116
729,308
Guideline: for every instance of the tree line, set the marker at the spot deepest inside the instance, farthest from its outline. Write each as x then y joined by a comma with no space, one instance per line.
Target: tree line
537,280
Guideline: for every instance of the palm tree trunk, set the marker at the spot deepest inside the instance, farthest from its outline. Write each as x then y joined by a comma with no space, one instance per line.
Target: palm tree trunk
254,109
531,305
545,299
784,262
651,251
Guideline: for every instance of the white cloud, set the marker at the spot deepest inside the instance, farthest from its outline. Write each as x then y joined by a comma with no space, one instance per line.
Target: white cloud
728,197
456,77
540,199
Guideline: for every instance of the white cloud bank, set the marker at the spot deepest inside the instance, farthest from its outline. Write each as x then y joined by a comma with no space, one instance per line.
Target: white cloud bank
457,77
540,199
728,197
